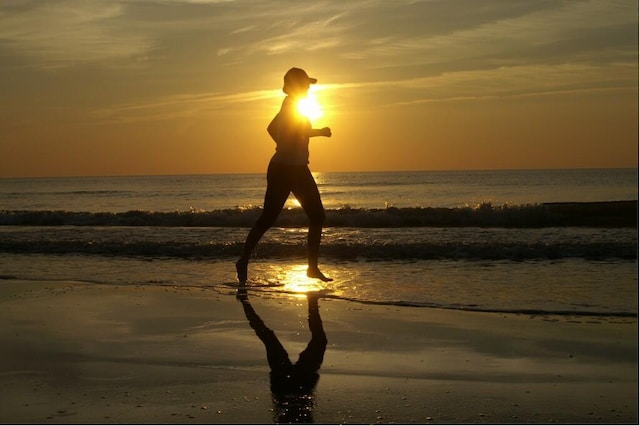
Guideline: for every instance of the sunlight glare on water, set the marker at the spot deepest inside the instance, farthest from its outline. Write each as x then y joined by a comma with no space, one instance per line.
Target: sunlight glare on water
293,279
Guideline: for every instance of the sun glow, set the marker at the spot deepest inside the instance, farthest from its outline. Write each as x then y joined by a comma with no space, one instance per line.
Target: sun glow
310,107
295,281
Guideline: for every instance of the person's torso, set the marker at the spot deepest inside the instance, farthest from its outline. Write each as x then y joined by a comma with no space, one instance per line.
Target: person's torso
292,142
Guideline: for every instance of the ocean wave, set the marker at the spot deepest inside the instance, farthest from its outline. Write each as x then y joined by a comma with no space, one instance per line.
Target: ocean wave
386,250
593,214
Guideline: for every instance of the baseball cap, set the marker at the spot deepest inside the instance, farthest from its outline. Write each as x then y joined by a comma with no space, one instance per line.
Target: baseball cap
295,77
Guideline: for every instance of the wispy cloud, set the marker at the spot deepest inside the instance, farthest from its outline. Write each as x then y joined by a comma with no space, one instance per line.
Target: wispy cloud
501,82
65,32
194,103
285,30
504,37
404,51
519,81
175,106
537,50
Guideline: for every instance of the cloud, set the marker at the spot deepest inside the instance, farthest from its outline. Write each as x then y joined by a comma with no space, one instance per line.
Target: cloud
419,51
65,32
378,34
526,34
520,81
192,103
277,29
533,49
196,1
60,33
181,105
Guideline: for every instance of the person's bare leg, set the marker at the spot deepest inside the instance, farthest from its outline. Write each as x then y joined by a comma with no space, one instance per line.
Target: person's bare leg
274,199
306,191
313,241
262,225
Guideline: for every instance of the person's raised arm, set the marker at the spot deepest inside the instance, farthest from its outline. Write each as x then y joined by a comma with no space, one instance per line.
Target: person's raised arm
325,131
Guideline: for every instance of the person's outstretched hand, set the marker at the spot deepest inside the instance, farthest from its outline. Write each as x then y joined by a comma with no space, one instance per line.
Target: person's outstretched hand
325,131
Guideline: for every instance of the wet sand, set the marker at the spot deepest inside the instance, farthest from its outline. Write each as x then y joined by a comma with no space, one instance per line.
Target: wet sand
90,353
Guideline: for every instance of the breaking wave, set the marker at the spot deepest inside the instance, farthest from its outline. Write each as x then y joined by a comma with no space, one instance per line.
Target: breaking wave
594,214
346,244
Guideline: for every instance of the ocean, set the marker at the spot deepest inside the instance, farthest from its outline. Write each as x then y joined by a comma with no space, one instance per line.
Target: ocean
537,242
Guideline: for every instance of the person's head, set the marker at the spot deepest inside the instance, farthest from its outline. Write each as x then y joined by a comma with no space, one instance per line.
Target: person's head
297,81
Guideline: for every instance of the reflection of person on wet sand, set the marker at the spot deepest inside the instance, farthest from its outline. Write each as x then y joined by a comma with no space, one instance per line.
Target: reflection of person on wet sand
292,385
289,172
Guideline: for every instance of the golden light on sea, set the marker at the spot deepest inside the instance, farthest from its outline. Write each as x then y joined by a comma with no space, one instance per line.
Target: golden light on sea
293,279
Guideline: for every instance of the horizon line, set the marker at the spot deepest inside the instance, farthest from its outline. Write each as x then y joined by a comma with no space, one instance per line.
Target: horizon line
320,172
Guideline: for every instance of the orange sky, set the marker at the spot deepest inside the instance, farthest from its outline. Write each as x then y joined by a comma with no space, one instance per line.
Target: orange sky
109,87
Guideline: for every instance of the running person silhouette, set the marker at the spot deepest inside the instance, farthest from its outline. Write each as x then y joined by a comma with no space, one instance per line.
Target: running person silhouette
288,172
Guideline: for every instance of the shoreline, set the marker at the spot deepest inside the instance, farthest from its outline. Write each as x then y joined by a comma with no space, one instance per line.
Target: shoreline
91,353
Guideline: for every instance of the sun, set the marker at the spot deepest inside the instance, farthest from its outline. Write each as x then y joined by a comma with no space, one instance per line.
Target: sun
310,107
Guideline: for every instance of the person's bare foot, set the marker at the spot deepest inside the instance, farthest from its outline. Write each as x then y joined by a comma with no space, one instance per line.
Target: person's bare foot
241,270
314,272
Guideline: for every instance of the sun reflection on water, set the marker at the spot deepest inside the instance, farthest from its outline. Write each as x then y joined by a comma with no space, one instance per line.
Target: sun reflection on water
294,280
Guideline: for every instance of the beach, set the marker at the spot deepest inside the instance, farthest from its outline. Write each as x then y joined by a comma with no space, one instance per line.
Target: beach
95,353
